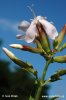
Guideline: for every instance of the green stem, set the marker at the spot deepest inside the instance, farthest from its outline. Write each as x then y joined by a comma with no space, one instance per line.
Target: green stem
45,70
37,97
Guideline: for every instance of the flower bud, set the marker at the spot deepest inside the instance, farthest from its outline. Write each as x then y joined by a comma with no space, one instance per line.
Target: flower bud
26,48
19,62
18,46
9,53
59,39
60,59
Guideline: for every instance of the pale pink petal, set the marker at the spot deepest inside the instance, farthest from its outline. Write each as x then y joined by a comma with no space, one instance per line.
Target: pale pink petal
31,33
48,27
21,36
24,25
24,37
31,30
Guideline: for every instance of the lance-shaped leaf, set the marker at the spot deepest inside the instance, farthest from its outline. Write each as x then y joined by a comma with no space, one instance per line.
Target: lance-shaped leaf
60,59
63,47
59,39
43,37
26,48
19,62
57,75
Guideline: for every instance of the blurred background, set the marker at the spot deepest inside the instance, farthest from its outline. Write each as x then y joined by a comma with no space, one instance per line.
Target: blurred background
11,14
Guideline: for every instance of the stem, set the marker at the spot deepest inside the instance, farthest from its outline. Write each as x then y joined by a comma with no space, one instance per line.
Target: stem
42,80
37,97
45,70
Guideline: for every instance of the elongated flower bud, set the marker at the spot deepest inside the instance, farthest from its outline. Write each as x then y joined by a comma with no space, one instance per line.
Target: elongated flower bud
18,46
19,62
15,59
59,39
43,37
26,48
9,53
31,49
60,59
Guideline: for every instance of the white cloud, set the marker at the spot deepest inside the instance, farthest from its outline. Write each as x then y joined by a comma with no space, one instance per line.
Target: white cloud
8,25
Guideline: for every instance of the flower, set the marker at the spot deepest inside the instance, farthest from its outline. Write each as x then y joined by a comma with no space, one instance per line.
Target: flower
32,32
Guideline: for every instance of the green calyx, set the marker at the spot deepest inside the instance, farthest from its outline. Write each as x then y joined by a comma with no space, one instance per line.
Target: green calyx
43,38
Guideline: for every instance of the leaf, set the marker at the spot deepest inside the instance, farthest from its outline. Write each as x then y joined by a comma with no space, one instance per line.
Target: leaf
57,75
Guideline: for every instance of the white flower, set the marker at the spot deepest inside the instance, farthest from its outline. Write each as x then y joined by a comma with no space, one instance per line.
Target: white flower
31,29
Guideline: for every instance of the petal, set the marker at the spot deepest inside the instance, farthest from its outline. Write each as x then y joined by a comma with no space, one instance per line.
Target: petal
52,22
53,34
21,36
31,33
40,18
24,37
24,25
28,39
49,28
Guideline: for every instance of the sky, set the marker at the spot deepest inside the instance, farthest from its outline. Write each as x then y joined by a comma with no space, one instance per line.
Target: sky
12,12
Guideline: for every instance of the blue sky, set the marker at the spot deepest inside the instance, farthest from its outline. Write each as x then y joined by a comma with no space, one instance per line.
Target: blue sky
14,11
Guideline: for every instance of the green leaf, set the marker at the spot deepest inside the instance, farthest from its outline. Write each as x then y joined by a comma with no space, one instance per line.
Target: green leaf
57,75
